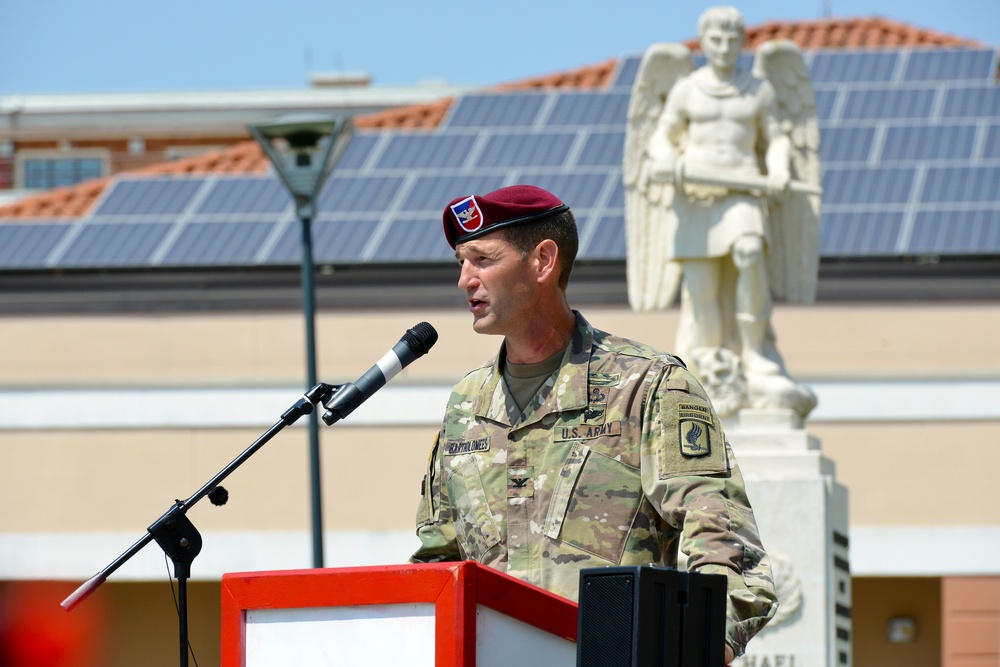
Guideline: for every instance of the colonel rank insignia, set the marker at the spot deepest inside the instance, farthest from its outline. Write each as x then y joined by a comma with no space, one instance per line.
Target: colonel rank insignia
694,422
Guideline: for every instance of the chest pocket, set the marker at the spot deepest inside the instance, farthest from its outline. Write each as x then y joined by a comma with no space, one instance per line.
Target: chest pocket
594,504
475,527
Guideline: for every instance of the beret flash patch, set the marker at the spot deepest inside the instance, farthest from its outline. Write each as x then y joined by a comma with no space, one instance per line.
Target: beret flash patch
467,214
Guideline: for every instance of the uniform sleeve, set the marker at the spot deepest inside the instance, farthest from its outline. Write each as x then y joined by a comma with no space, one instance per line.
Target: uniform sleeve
691,476
434,526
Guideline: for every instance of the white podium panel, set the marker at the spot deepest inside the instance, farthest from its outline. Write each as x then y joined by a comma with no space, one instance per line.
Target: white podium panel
424,615
392,634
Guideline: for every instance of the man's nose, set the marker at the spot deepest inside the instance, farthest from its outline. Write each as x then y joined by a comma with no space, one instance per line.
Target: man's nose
467,277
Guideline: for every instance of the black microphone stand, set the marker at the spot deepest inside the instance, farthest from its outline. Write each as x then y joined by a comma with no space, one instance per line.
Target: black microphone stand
175,533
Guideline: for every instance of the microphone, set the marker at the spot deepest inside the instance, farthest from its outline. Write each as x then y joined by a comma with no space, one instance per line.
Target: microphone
414,343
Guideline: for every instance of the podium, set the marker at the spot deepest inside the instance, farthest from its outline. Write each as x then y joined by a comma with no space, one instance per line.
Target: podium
421,615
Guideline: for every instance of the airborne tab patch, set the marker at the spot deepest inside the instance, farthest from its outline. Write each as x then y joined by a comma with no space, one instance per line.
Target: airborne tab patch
695,411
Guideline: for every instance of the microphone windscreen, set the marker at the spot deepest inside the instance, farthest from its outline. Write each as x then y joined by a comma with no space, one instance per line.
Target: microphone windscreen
420,338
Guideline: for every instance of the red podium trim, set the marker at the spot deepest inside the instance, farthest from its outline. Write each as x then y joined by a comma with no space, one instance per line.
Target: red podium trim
454,588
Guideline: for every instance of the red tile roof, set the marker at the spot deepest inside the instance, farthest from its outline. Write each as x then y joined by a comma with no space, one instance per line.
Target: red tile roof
69,202
246,157
853,33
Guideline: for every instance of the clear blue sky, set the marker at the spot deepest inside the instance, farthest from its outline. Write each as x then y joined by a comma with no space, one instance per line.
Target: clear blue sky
79,46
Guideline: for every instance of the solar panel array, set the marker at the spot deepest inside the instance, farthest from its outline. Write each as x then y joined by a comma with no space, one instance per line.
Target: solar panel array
910,146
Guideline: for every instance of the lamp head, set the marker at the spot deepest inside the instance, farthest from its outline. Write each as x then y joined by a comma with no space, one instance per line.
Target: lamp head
303,148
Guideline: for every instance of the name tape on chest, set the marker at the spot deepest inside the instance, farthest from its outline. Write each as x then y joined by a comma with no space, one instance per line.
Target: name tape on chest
456,447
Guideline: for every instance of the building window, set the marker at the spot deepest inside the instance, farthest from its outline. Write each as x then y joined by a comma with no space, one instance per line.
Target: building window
54,173
44,170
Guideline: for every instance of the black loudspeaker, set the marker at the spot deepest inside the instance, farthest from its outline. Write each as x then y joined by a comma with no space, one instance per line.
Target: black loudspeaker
651,617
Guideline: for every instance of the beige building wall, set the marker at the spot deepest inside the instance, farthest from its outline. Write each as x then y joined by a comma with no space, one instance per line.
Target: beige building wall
890,467
100,487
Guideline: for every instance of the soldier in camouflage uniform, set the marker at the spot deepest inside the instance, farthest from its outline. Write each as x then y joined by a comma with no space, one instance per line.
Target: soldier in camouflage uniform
575,448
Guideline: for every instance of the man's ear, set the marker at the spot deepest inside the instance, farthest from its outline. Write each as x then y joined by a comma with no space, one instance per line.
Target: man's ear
547,253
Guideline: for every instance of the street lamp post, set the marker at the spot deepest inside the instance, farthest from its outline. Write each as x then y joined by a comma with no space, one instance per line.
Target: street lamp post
303,149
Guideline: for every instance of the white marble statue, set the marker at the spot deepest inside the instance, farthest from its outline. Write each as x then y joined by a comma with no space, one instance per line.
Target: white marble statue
721,171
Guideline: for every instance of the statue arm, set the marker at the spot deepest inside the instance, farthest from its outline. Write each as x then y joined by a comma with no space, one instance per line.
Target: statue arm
663,149
777,155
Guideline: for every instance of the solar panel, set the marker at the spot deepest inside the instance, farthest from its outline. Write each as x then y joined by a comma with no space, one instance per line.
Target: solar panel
496,110
888,103
362,194
24,246
907,136
617,198
426,151
929,142
115,244
526,150
357,151
246,195
576,189
860,233
864,185
956,232
602,148
826,101
218,243
432,193
972,101
627,69
991,147
589,108
950,65
961,184
853,66
607,240
334,241
845,144
415,240
149,196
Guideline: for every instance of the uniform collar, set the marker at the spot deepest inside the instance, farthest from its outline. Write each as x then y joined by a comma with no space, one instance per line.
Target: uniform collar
569,391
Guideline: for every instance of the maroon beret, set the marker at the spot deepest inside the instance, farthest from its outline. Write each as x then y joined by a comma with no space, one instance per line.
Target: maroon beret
467,218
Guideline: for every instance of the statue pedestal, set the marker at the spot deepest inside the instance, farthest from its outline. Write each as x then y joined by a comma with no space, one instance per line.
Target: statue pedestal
801,512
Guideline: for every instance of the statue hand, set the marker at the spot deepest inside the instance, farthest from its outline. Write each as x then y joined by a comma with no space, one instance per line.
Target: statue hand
661,171
777,185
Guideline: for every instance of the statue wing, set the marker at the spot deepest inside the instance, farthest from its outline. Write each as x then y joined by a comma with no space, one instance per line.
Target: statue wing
652,279
793,256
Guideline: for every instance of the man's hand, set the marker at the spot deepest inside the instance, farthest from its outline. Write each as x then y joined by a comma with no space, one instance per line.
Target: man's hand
730,654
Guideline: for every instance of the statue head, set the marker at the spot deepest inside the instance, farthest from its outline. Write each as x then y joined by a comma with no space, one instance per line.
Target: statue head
722,32
728,18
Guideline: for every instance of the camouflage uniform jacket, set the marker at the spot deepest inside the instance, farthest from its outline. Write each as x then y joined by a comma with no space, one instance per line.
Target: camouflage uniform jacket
619,459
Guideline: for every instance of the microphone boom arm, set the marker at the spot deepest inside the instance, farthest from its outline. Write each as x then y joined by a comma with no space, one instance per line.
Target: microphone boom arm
304,406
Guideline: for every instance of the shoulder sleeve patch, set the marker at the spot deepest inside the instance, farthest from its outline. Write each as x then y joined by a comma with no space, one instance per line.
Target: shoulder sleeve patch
685,436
